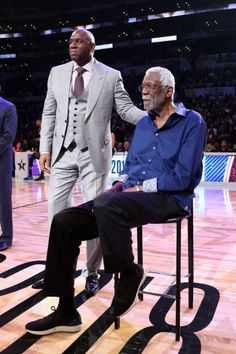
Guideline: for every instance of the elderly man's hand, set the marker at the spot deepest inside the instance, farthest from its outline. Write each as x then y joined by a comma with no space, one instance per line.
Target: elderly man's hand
117,187
134,189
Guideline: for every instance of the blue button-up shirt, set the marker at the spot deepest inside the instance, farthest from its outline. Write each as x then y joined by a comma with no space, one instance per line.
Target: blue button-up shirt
167,160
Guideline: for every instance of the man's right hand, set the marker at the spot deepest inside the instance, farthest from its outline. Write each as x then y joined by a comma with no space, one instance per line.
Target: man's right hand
45,162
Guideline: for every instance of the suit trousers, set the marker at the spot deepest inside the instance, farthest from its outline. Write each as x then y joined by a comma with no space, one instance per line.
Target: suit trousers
69,167
111,216
6,205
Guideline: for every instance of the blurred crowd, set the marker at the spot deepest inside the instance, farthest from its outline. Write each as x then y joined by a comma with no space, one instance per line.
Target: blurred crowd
218,111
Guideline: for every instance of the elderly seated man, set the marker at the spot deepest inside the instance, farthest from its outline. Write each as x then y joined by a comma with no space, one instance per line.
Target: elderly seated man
163,167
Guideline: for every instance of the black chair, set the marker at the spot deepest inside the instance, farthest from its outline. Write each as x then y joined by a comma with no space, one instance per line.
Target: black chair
178,222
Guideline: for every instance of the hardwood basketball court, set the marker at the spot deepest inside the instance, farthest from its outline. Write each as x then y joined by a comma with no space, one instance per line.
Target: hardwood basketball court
209,328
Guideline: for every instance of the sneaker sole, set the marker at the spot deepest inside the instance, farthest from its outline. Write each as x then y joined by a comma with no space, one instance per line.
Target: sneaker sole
69,329
136,296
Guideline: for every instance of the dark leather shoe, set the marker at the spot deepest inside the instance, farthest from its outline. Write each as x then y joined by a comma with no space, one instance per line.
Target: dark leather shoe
91,286
28,178
40,178
38,284
5,245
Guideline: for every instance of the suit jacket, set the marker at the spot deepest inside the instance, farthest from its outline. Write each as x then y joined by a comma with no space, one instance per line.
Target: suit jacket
106,91
8,126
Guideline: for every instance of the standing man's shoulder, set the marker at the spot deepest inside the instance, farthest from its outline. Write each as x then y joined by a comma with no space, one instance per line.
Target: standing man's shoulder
63,67
103,67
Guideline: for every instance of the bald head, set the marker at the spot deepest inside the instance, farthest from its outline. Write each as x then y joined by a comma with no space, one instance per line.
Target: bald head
86,33
82,46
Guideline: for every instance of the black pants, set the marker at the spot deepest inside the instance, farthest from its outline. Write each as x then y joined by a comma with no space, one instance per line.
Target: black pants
110,216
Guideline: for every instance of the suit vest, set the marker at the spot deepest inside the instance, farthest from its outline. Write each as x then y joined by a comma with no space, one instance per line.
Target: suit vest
76,114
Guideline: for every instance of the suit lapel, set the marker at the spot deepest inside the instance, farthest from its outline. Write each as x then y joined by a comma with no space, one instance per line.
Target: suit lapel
66,74
95,87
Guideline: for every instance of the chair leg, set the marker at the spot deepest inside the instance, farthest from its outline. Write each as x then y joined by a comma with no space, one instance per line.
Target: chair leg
178,275
190,261
178,269
117,323
140,254
117,319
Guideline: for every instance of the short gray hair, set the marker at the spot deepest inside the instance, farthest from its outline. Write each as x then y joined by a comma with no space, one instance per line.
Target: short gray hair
166,77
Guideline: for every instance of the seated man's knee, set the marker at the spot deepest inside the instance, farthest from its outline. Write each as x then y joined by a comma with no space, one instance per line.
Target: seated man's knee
60,217
103,201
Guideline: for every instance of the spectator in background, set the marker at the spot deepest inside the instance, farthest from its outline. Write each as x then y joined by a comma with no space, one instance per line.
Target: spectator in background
224,146
35,155
212,130
18,146
212,145
126,145
119,147
113,141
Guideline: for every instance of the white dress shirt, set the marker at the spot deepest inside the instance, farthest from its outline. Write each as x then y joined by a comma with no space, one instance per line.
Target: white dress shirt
86,75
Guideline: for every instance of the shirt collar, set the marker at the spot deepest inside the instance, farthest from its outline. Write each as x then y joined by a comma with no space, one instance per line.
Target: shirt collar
181,109
181,112
152,115
88,66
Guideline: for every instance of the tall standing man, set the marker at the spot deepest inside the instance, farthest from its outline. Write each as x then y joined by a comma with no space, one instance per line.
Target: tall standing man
75,134
8,126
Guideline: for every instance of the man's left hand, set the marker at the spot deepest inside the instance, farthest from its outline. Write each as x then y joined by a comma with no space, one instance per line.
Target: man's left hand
134,189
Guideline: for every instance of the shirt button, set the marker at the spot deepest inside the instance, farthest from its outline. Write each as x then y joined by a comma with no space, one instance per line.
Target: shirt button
156,134
154,147
76,102
149,160
75,115
143,172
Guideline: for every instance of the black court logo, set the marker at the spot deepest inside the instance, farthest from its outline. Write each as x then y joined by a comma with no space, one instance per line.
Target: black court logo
137,343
